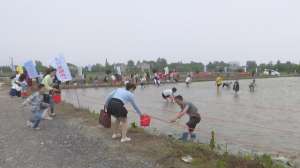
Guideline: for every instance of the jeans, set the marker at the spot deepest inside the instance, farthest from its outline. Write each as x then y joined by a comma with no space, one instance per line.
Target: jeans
36,119
48,99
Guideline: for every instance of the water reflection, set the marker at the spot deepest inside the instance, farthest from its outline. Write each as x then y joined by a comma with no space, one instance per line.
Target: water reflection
266,120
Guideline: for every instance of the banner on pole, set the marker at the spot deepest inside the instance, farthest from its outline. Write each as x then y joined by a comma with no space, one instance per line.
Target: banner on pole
62,70
31,70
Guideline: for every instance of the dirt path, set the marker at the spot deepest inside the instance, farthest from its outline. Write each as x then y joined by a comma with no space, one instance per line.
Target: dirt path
69,141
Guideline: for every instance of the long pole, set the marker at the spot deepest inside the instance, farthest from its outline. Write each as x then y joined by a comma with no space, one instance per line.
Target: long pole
11,60
77,98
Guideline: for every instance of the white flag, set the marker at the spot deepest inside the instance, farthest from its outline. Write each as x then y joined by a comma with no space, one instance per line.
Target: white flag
62,70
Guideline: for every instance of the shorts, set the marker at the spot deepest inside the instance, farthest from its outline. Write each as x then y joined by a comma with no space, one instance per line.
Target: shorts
164,96
218,85
116,108
192,123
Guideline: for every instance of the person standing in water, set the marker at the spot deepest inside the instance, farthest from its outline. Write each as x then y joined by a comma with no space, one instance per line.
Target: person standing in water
169,94
252,85
219,81
194,116
236,86
156,80
188,80
143,81
115,106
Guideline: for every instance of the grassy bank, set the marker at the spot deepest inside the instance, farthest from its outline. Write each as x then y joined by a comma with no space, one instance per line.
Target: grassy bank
167,151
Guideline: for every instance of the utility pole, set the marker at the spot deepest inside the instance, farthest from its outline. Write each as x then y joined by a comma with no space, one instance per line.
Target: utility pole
11,60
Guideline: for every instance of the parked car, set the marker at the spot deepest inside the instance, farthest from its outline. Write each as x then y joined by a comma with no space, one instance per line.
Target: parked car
271,72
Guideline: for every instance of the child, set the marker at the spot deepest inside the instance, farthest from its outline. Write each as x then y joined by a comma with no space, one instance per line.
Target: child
192,111
169,94
236,86
23,85
188,80
36,101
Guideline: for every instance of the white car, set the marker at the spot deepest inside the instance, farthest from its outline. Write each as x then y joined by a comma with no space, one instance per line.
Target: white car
271,72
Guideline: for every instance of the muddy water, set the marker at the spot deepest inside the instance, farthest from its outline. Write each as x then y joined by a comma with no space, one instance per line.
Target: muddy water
267,120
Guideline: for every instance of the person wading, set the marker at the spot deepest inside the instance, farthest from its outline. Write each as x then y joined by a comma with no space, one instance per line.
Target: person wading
194,117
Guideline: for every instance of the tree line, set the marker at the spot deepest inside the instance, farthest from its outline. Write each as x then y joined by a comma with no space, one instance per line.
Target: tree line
158,65
215,66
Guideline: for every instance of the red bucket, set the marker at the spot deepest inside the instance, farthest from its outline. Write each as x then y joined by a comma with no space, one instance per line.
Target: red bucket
24,94
145,120
56,98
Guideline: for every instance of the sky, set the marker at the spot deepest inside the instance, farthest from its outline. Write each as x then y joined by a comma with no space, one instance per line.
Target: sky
89,31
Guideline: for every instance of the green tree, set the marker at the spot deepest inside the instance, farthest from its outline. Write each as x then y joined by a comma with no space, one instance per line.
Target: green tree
188,67
196,67
132,68
160,64
130,64
217,66
210,67
287,67
251,66
5,69
98,68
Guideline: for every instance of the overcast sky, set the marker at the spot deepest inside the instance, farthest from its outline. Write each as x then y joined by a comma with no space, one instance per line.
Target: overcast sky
88,31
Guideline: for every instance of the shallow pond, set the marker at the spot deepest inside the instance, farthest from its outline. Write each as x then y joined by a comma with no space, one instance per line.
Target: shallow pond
267,120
